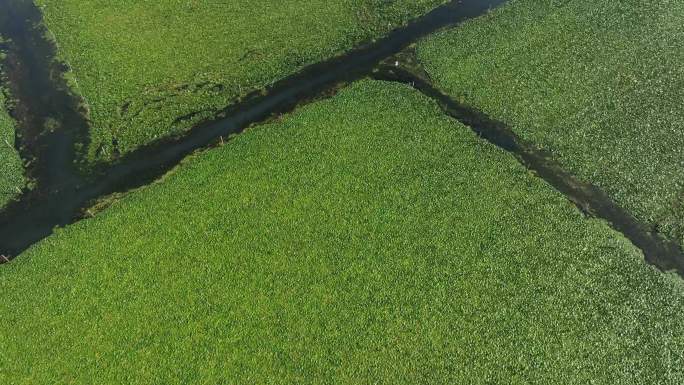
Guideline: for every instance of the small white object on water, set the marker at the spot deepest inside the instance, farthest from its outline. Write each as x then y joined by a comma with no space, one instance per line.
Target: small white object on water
396,63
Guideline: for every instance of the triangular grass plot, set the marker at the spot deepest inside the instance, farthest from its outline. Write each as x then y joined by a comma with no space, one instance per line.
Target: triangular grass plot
365,238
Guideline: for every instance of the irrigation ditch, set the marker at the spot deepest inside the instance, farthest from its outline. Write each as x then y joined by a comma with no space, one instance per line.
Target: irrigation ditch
665,254
52,124
53,130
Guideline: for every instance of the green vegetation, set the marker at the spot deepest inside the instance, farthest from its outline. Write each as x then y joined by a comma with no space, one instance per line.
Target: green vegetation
598,83
363,239
11,168
150,69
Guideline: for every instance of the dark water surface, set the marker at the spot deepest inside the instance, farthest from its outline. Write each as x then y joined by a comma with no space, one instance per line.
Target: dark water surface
51,122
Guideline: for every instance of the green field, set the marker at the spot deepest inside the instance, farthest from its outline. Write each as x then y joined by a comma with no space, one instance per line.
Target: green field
142,65
11,168
363,239
598,83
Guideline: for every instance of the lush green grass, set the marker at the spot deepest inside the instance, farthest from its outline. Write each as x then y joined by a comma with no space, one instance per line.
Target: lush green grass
365,239
11,168
599,83
141,65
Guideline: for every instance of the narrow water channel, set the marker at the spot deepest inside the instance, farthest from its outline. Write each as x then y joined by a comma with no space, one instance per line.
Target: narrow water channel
664,254
51,119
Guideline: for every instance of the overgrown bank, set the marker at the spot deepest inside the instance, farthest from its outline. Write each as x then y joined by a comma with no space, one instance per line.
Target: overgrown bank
11,167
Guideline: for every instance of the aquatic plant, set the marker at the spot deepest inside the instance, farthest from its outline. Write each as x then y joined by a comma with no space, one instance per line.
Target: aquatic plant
597,84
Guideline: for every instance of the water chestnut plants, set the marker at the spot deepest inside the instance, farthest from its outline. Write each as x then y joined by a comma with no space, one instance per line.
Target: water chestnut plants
365,238
598,84
333,228
11,167
149,70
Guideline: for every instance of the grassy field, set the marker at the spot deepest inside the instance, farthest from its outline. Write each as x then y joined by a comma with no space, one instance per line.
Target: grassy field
11,168
364,239
142,65
598,83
